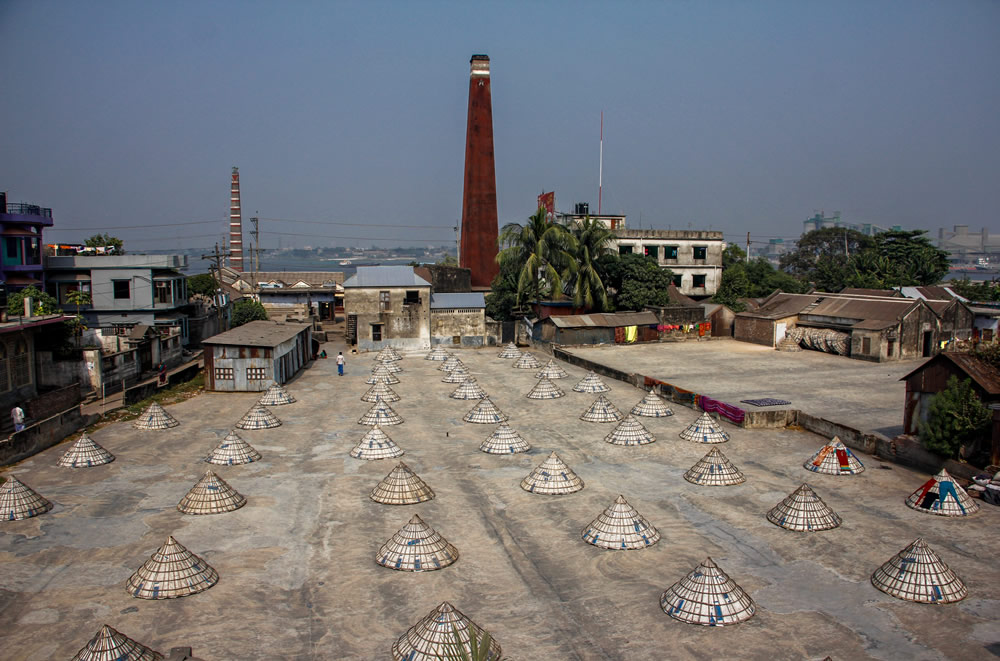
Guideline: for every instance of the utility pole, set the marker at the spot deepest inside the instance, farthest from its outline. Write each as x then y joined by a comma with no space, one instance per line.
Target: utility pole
216,270
747,260
458,247
847,254
255,265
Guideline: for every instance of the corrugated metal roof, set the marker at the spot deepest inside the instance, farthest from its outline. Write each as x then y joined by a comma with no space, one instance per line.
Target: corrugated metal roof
984,374
461,300
782,305
859,308
860,291
611,320
385,276
875,324
258,334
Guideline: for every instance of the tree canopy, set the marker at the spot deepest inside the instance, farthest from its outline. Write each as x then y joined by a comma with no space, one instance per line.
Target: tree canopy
246,310
106,241
955,417
540,251
637,280
203,283
43,303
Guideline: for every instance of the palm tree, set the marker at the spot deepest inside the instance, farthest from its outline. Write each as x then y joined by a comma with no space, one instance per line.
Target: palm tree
539,252
590,239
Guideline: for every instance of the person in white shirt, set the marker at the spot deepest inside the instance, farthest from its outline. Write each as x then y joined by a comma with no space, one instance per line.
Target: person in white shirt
17,416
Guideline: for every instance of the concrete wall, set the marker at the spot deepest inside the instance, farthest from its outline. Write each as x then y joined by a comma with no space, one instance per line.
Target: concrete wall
42,435
445,279
112,369
404,326
678,314
467,324
685,264
49,403
54,373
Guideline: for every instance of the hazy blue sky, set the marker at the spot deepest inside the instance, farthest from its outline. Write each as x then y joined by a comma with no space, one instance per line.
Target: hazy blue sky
739,116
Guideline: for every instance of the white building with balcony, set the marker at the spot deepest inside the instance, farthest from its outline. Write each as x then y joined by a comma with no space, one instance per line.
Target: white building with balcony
125,290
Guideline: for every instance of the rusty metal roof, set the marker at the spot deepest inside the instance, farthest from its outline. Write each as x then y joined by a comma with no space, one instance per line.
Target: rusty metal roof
610,320
258,334
881,308
860,291
985,375
782,305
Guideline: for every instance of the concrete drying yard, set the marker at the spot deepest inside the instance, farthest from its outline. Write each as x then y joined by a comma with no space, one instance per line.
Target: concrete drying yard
297,573
857,393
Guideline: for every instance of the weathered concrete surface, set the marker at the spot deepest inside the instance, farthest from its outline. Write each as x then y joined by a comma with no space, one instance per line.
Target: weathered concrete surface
298,580
859,394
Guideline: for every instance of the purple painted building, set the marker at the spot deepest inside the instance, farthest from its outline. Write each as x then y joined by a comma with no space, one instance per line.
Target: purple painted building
21,228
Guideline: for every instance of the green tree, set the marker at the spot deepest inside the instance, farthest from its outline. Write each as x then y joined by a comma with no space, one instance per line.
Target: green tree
976,291
915,260
43,303
733,254
203,283
821,256
590,239
448,260
735,284
765,279
246,310
955,417
106,241
541,252
502,298
637,281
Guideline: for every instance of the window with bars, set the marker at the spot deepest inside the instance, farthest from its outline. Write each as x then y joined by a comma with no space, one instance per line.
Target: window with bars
224,374
383,301
21,369
256,373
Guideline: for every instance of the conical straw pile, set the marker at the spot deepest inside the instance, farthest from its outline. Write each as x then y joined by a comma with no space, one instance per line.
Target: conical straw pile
388,354
803,511
630,432
551,371
652,406
485,413
545,389
834,458
19,501
154,417
171,572
552,477
378,390
504,440
620,527
85,453
442,636
917,574
602,410
704,430
380,414
457,375
376,444
437,354
527,361
233,451
510,351
591,383
276,396
110,645
940,495
714,470
211,495
380,374
707,596
388,366
259,417
401,487
416,547
469,390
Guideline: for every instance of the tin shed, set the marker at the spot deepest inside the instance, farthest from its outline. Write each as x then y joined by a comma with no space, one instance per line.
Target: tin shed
249,358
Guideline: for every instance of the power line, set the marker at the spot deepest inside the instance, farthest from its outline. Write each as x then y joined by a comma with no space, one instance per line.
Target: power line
285,220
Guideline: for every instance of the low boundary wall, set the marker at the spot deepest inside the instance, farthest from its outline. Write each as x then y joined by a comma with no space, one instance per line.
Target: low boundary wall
904,451
144,390
43,434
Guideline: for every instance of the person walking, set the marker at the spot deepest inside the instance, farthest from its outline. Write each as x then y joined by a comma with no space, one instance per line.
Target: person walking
340,363
17,416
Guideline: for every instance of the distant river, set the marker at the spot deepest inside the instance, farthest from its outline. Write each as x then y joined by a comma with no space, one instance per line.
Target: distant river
289,263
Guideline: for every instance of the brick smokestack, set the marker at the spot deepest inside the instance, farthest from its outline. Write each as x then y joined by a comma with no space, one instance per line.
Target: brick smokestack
235,224
479,199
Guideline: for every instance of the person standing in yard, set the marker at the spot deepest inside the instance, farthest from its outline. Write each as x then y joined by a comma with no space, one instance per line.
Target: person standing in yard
17,416
340,363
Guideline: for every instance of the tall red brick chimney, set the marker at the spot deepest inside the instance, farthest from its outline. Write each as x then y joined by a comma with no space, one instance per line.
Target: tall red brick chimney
478,250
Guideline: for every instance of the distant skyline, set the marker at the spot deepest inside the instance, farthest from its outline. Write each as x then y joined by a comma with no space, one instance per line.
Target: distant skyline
347,120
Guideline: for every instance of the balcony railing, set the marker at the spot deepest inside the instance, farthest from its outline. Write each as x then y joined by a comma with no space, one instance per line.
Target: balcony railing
28,209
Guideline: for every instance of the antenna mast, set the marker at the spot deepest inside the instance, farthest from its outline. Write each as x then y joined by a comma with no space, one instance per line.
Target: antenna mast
600,170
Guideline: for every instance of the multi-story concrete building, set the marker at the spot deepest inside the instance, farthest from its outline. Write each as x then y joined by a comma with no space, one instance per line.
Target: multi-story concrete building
387,306
694,256
125,290
21,228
